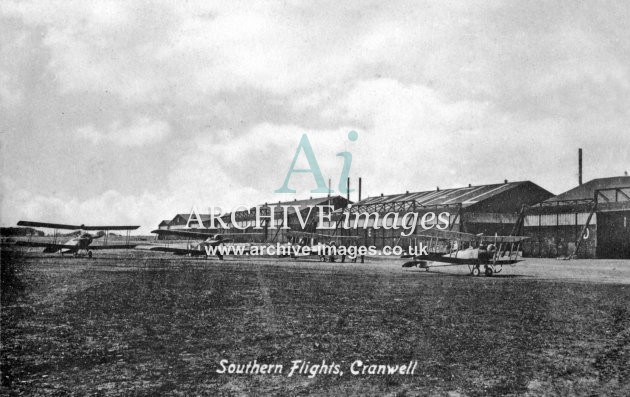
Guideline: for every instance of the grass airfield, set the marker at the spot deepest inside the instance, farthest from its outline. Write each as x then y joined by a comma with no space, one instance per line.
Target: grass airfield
150,324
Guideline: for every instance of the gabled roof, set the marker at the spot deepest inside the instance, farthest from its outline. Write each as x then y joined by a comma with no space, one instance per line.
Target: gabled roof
204,217
466,196
587,190
165,222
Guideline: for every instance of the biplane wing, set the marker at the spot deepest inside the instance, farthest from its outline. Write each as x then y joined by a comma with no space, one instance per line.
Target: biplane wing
113,247
49,247
467,237
446,235
208,239
52,247
196,234
184,233
326,240
81,241
450,248
74,227
170,249
322,236
314,234
502,239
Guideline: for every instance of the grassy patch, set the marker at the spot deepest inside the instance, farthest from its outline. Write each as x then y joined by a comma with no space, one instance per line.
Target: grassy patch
163,327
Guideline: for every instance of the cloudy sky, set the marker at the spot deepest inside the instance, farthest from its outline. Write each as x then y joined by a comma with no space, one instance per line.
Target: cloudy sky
130,111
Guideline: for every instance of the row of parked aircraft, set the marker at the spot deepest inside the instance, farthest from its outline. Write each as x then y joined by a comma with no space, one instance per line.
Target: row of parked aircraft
482,254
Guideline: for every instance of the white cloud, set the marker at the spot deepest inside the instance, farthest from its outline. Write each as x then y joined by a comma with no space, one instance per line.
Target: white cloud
10,96
218,169
441,93
140,132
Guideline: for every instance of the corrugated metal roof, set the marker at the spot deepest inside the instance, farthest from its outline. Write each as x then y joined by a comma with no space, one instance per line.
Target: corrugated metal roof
465,196
279,206
301,203
587,190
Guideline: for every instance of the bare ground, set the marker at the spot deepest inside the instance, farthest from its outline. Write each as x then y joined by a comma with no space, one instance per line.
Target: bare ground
135,323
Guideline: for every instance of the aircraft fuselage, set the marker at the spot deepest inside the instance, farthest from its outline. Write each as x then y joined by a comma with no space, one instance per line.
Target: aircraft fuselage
81,242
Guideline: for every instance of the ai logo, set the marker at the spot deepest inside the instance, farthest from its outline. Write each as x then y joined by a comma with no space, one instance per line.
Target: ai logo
305,146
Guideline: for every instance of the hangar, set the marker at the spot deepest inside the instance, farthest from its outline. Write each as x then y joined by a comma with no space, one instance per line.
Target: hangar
182,221
488,209
591,220
246,219
165,224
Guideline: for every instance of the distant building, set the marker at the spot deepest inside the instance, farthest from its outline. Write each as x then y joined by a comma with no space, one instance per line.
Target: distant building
594,215
186,221
20,231
182,222
179,221
486,209
276,231
164,225
269,232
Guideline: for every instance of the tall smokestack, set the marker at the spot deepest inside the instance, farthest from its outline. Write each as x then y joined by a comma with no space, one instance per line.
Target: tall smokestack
359,188
580,165
348,188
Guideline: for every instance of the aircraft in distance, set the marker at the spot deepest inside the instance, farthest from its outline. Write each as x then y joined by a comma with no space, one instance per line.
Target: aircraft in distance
449,248
81,242
196,248
315,242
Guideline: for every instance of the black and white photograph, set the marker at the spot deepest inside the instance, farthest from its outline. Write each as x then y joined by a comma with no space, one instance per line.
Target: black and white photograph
329,198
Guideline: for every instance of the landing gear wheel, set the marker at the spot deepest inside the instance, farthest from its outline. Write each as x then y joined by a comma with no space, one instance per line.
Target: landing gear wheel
489,271
475,271
322,259
89,254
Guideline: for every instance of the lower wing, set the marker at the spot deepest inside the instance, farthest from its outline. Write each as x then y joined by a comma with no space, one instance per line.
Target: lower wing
173,250
48,246
112,247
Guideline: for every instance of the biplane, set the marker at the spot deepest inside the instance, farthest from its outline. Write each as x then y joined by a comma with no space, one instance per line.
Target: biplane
196,244
482,254
319,242
80,243
199,243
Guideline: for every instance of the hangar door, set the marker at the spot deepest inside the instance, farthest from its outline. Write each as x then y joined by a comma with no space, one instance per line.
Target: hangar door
613,235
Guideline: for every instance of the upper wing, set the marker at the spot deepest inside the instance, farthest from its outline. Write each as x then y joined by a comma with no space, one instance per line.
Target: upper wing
502,239
445,235
74,227
184,233
467,237
200,234
56,247
312,234
121,227
48,225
